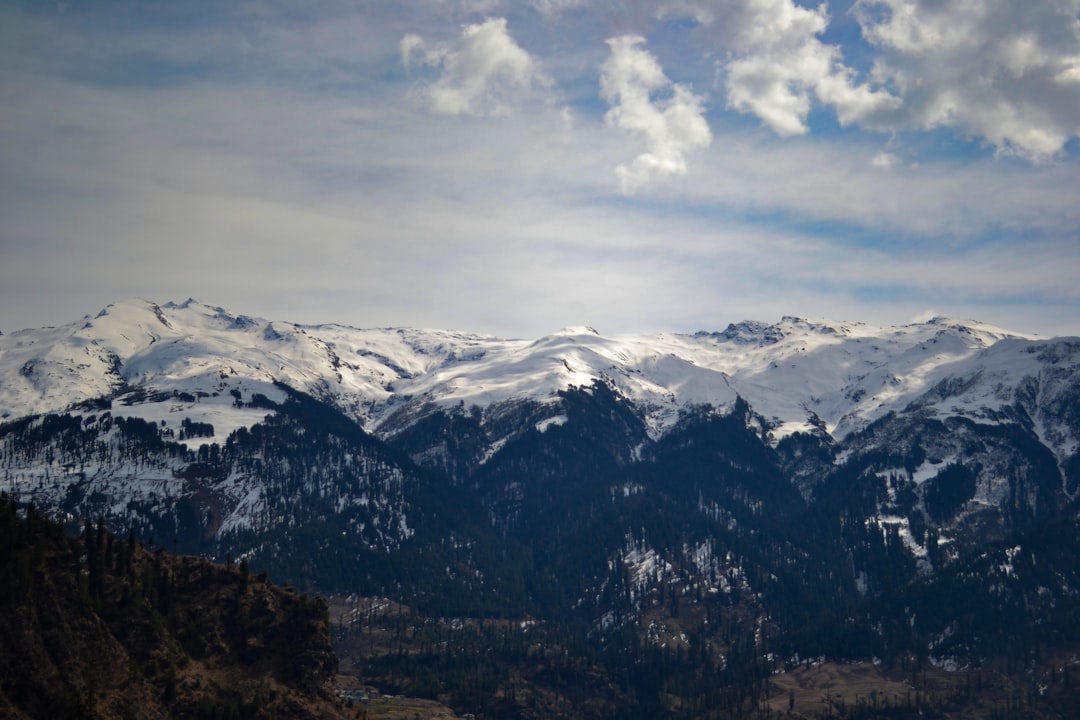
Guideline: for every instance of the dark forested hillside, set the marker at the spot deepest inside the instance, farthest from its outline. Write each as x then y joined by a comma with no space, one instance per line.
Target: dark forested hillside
95,626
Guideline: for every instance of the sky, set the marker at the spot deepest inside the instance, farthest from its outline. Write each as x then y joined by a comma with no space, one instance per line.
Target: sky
511,168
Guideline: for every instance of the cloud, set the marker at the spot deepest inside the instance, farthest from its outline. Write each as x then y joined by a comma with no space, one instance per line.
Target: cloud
884,160
671,126
410,45
925,316
479,6
303,156
777,61
485,72
1004,71
551,8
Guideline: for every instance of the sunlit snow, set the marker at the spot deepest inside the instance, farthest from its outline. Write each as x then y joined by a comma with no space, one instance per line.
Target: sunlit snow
799,375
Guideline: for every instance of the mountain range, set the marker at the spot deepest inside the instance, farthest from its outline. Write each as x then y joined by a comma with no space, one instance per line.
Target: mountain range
749,497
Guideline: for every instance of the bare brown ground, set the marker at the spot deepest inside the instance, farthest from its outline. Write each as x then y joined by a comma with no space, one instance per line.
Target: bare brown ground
824,688
403,708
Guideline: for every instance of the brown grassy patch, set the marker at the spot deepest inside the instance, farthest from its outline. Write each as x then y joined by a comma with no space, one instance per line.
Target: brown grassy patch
824,688
403,708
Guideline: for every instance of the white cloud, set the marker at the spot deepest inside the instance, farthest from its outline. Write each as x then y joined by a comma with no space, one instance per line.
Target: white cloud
479,6
1007,72
777,64
925,316
410,45
550,8
1001,70
485,72
671,126
884,160
304,158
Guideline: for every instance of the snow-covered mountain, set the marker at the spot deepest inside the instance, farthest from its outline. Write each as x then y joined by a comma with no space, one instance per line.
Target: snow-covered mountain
177,364
789,465
798,375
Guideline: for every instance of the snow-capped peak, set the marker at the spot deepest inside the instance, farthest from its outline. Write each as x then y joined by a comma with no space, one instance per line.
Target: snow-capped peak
798,374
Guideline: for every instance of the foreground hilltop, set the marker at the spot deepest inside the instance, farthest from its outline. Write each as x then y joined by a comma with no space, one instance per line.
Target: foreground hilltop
98,627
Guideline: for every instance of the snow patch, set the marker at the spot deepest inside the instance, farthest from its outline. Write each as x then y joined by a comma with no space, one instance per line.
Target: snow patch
557,420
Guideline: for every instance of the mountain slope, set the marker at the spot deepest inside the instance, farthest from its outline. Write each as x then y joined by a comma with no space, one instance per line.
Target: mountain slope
910,401
734,500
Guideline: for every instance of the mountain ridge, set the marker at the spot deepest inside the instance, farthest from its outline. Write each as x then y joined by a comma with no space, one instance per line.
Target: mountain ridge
746,498
199,374
367,373
798,375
